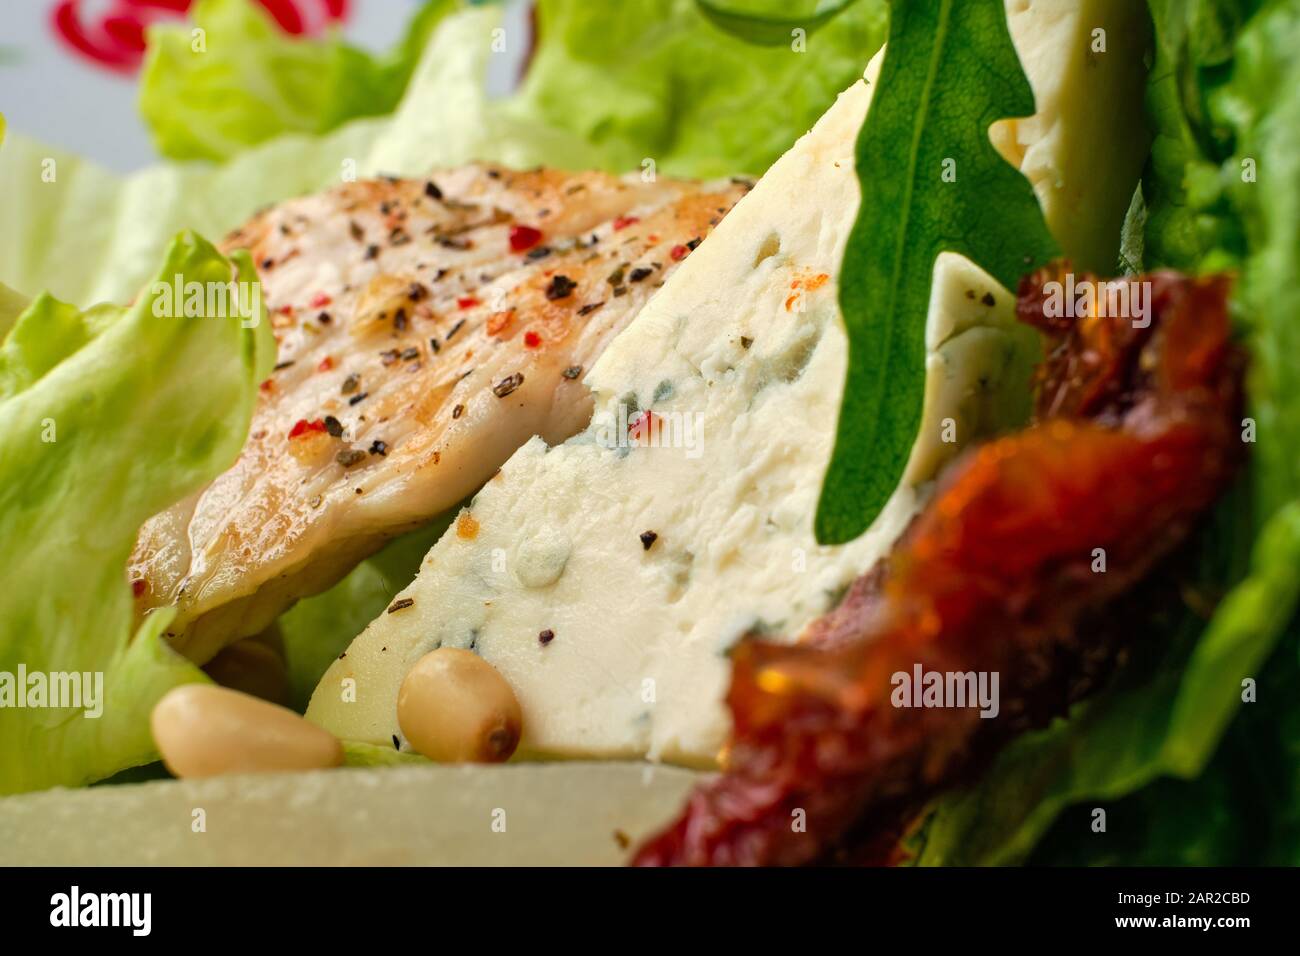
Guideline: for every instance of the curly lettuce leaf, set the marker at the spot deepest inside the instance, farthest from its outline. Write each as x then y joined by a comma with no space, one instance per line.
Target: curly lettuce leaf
110,416
243,81
660,80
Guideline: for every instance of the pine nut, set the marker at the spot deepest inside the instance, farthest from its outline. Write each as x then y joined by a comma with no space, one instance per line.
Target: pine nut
454,706
204,731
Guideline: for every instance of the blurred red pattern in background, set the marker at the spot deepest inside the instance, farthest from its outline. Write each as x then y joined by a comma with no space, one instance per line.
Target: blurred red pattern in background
112,33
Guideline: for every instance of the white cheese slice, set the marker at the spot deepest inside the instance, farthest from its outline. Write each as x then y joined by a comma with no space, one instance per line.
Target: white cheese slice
741,358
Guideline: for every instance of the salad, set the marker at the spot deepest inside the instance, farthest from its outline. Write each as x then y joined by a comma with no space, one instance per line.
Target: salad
769,433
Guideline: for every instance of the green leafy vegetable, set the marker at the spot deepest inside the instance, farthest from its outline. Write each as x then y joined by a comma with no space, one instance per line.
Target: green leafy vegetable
655,79
243,81
110,415
931,182
770,22
1226,91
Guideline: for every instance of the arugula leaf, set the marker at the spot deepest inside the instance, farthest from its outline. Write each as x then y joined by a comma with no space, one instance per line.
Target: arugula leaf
931,182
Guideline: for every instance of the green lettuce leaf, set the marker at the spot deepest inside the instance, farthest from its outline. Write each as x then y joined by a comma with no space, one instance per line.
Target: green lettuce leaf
110,415
660,80
1226,91
931,107
243,81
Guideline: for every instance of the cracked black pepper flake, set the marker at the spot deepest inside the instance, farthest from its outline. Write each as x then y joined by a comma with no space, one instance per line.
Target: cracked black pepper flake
280,365
416,292
431,190
458,411
640,274
399,320
372,251
400,604
538,252
989,300
620,291
546,636
590,307
410,353
433,344
356,231
268,263
350,456
648,538
358,398
693,244
333,426
561,287
389,356
508,384
454,329
324,318
616,277
379,448
397,744
350,384
572,372
746,341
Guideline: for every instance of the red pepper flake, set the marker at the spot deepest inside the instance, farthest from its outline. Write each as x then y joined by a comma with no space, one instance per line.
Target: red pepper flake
678,253
523,238
467,302
532,339
139,586
303,427
320,300
285,310
267,386
326,364
622,222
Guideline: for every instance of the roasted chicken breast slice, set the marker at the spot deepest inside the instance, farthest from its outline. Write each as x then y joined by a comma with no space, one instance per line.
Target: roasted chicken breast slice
425,329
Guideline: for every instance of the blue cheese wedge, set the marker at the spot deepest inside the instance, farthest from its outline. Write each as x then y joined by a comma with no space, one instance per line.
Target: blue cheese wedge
607,577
